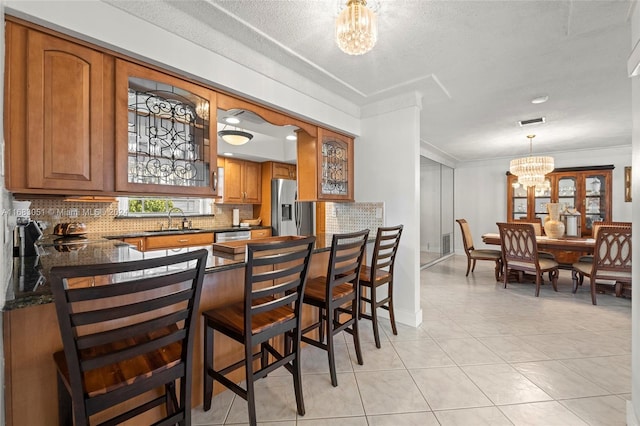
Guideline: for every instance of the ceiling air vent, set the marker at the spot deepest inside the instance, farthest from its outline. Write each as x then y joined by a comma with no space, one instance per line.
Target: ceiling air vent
532,121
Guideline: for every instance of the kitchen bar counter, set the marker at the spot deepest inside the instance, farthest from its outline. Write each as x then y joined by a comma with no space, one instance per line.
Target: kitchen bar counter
29,284
30,326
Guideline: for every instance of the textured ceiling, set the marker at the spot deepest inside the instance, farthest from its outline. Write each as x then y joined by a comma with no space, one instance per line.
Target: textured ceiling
478,64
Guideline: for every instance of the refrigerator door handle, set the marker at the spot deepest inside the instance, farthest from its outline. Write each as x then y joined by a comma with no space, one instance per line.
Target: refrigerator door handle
297,212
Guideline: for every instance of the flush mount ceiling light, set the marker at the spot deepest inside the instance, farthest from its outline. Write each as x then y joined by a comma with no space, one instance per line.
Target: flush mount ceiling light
540,99
235,137
292,138
231,120
356,28
531,170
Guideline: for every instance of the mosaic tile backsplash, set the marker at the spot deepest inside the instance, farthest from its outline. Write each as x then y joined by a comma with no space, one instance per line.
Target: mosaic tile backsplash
101,218
352,217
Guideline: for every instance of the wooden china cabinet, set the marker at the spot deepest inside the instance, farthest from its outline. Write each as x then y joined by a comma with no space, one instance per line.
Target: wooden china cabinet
585,189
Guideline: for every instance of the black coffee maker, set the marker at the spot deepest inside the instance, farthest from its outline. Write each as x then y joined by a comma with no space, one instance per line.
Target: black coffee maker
25,235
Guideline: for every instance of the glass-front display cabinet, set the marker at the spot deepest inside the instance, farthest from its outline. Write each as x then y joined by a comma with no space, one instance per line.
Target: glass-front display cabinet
583,191
170,144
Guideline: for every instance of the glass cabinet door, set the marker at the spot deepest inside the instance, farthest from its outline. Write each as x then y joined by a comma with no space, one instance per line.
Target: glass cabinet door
595,200
169,145
520,207
542,197
567,192
336,159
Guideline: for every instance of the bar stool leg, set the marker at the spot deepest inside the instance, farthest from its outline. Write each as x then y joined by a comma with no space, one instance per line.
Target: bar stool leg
208,365
297,377
356,334
392,314
374,315
331,352
251,402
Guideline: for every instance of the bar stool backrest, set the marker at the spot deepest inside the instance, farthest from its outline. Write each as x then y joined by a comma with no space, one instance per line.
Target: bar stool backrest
132,318
384,251
345,260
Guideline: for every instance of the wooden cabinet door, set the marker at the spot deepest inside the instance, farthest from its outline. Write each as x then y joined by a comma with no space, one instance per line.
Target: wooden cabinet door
283,171
260,233
242,181
65,103
233,188
166,141
252,182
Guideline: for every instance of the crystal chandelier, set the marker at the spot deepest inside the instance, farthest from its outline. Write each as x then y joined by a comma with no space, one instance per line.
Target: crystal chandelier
356,28
531,170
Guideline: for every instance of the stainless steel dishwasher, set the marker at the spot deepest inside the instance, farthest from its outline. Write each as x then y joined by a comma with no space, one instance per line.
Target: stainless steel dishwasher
222,237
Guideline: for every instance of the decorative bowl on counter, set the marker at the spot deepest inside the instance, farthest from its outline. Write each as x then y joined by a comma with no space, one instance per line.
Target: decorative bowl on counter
252,222
68,229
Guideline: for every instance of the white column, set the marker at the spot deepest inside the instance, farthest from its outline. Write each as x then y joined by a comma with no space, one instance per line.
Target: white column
387,167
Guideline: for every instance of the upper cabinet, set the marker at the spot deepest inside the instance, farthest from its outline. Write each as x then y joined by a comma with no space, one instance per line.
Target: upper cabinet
56,113
585,189
166,134
325,167
281,170
242,182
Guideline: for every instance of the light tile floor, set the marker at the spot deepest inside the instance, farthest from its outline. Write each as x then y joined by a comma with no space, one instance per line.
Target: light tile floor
484,355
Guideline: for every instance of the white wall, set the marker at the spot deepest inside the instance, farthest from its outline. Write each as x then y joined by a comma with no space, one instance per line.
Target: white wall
633,407
387,168
481,188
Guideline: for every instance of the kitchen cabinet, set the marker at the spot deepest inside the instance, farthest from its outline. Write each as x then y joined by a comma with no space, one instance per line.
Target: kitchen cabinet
242,182
156,242
260,233
281,170
325,166
166,140
57,110
585,189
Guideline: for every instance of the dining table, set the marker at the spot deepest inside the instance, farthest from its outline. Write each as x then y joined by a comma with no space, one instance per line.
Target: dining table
567,250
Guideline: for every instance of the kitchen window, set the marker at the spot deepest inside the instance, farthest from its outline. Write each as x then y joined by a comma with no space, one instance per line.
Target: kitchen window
160,206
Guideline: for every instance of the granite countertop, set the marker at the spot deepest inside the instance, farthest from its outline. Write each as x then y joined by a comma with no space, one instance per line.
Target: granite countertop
29,282
137,234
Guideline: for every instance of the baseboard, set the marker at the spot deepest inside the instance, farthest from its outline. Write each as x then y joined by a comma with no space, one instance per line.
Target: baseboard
632,418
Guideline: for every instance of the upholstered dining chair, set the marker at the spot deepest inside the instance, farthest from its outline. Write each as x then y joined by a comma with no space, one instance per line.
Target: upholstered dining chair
274,284
128,335
520,254
379,273
474,254
336,297
611,260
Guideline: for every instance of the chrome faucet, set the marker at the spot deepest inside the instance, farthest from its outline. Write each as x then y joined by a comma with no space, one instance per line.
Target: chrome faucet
173,210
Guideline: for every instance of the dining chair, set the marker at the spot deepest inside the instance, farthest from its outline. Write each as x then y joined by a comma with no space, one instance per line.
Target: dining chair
378,274
539,231
336,296
274,282
611,260
474,254
127,331
520,254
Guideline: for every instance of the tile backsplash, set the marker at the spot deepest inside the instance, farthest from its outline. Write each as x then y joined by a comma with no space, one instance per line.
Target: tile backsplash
352,217
102,218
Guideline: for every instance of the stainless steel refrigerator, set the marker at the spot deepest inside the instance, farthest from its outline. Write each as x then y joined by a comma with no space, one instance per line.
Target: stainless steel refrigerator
288,216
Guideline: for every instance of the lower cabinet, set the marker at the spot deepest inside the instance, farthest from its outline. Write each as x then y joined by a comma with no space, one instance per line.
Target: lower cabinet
260,233
170,241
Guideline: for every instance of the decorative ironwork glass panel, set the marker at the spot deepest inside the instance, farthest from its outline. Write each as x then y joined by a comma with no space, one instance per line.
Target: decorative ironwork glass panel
168,135
334,167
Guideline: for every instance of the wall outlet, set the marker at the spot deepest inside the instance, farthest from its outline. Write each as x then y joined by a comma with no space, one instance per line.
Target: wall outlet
378,212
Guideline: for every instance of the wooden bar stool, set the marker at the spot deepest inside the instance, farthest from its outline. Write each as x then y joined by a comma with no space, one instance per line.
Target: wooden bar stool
275,278
127,329
379,273
337,296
